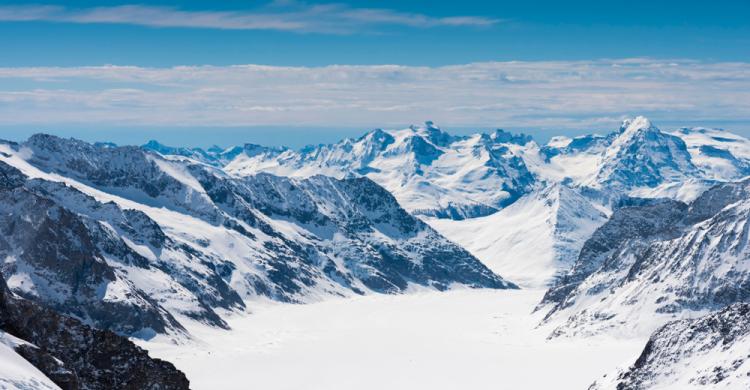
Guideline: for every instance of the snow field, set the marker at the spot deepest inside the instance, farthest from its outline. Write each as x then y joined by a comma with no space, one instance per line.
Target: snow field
461,339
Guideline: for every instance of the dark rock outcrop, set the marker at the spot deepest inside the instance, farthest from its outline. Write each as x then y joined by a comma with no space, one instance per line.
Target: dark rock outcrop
75,356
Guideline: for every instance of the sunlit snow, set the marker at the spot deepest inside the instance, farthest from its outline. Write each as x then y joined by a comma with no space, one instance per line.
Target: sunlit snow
461,339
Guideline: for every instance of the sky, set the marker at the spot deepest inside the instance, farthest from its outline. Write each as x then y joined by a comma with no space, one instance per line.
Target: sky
292,73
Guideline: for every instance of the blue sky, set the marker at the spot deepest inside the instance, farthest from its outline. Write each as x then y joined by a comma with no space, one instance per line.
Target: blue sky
129,71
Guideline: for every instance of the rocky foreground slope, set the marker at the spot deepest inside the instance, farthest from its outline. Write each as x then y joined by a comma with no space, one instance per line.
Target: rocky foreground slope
75,356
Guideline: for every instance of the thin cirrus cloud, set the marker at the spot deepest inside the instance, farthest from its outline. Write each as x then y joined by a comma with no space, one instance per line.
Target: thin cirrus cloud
572,94
280,15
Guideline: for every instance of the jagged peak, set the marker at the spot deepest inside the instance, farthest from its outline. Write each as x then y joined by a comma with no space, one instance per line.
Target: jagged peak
503,136
432,133
44,137
53,142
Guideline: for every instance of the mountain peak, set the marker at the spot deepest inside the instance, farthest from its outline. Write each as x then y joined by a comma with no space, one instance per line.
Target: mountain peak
635,124
432,133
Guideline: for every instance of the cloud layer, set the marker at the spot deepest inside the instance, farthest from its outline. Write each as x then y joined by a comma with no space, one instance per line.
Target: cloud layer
279,15
513,94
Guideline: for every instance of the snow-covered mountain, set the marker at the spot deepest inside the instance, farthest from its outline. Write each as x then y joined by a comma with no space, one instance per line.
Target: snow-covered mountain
429,171
433,173
710,352
637,160
214,155
719,154
127,240
658,261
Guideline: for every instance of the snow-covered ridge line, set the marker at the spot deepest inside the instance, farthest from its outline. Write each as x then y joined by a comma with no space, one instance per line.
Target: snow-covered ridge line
434,173
428,170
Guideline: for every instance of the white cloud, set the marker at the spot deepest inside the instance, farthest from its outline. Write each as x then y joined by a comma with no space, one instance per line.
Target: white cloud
285,16
512,94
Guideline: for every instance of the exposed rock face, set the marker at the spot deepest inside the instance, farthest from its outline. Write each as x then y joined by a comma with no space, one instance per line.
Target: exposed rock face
656,262
75,356
709,352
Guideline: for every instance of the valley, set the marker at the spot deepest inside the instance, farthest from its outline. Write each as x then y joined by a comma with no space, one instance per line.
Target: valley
440,340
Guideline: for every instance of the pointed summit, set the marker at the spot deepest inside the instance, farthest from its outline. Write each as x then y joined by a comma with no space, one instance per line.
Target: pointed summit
633,125
640,155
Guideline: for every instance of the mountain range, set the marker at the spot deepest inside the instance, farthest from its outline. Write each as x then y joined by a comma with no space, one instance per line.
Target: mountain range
627,231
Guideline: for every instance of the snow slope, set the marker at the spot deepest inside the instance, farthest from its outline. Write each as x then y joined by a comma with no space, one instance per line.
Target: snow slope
721,155
533,239
15,372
